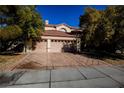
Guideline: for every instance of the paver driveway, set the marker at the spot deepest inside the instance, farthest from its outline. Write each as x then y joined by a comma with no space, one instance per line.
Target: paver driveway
56,60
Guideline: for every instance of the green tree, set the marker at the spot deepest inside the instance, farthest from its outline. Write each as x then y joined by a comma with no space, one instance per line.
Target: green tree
103,30
88,23
22,22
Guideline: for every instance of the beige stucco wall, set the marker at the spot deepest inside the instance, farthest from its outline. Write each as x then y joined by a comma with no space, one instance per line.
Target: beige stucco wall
58,38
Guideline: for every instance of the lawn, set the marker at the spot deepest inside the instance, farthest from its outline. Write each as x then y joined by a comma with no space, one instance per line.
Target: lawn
6,61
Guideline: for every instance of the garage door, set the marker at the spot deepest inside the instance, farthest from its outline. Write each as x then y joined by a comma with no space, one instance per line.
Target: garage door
56,46
61,46
41,46
53,46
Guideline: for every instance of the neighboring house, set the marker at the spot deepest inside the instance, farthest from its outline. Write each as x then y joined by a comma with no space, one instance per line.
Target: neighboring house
58,38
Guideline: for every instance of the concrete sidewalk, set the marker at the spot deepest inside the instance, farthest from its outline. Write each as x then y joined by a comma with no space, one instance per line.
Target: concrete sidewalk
82,77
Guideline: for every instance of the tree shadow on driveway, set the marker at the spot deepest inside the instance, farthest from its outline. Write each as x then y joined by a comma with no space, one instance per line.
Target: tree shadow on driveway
9,78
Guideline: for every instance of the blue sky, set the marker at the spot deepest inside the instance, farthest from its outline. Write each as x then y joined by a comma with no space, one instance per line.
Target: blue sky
68,14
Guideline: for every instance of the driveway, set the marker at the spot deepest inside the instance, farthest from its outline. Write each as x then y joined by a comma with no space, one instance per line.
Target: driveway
56,60
62,70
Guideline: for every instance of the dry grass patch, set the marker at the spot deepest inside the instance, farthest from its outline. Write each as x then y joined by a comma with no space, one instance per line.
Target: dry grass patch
115,62
8,60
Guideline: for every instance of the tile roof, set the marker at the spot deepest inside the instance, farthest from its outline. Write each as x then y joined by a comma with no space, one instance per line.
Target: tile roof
57,33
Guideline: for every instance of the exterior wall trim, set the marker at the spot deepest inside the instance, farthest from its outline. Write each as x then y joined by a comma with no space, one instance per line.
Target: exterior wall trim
58,38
